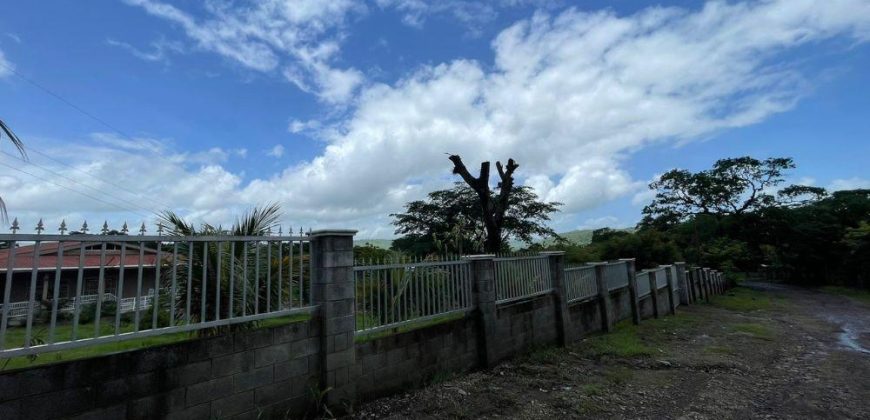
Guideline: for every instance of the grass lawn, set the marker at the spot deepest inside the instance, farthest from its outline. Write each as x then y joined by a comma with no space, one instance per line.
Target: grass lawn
857,294
743,299
15,338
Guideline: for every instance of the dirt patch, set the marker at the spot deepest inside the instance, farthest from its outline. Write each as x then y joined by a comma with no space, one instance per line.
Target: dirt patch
759,352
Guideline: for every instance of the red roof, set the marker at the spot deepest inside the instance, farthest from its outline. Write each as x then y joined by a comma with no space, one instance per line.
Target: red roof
48,256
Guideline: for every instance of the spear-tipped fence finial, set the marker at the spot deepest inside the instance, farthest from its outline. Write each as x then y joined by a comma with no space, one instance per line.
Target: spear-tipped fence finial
62,227
84,228
142,230
39,227
124,228
159,228
105,229
14,228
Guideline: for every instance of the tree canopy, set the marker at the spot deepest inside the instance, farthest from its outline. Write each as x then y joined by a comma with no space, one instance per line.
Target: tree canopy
733,186
452,220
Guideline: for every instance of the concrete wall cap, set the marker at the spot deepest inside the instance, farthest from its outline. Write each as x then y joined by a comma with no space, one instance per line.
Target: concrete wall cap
478,257
552,253
333,232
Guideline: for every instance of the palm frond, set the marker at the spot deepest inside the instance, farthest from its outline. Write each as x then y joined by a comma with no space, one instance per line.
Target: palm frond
258,220
13,138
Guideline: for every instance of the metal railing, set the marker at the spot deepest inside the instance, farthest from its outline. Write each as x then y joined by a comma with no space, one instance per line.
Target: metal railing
616,275
661,277
643,288
521,277
580,283
196,282
392,294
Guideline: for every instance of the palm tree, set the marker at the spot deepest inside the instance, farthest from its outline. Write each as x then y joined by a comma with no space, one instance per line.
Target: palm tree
4,129
246,262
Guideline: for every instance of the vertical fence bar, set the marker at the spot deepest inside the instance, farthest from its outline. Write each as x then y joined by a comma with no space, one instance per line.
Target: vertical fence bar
55,293
268,276
138,286
244,278
101,288
217,283
232,300
204,283
190,257
155,304
280,279
173,290
31,298
7,291
120,291
257,279
77,303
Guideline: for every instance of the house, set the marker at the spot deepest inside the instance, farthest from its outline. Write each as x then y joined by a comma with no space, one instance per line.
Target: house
70,256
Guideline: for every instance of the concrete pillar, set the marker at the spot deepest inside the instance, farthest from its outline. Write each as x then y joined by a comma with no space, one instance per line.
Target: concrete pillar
560,295
654,292
672,304
483,274
705,277
604,302
683,283
333,290
632,290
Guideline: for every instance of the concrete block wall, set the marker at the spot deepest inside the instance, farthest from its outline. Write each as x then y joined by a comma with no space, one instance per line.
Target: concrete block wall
237,375
407,360
522,325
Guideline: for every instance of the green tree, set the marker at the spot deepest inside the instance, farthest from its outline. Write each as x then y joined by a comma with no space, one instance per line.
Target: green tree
451,221
733,186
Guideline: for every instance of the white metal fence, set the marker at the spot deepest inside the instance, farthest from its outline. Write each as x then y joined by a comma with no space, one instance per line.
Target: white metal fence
643,283
521,277
389,295
580,283
196,282
661,277
616,275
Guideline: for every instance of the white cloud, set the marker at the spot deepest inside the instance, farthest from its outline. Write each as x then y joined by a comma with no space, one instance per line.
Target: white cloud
6,67
853,183
302,37
468,12
276,151
570,96
159,52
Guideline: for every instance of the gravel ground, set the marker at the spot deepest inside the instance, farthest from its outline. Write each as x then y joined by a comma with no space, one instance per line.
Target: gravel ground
768,352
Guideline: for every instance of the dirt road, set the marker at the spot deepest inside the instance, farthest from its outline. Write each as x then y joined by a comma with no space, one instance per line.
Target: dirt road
762,351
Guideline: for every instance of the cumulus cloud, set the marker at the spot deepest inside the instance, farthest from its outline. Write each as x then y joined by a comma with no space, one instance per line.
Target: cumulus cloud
853,183
276,151
571,96
302,38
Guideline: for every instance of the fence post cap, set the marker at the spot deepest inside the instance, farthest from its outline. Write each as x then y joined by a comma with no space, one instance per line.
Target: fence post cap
478,257
552,253
333,232
626,259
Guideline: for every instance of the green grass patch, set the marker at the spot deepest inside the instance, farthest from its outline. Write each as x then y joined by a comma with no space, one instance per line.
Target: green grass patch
545,355
410,326
592,389
857,294
624,342
756,330
719,350
743,299
63,331
618,375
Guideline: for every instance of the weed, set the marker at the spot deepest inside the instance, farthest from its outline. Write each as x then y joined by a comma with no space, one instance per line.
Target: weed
622,342
618,375
593,389
544,355
756,330
743,299
719,350
860,295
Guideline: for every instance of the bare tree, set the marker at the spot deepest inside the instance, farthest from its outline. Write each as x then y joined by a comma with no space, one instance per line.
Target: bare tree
493,207
4,129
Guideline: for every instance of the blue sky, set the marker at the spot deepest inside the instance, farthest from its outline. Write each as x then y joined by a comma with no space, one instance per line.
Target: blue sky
341,111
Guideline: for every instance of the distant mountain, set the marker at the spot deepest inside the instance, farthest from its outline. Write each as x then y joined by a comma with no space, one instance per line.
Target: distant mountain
579,237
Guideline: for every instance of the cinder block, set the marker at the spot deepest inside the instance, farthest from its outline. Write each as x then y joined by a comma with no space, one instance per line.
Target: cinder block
189,374
198,412
291,369
340,359
271,355
209,390
233,363
233,405
253,379
272,393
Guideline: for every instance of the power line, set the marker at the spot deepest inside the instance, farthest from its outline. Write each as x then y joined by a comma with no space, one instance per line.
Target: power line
131,192
74,190
60,98
76,182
